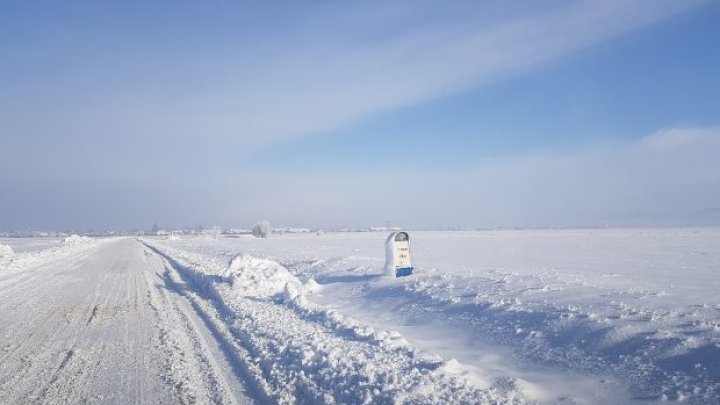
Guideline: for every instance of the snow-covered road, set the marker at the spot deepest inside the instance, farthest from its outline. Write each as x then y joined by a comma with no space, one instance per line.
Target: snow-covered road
126,321
101,324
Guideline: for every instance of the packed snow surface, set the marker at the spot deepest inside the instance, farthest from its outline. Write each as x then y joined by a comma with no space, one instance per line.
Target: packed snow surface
555,316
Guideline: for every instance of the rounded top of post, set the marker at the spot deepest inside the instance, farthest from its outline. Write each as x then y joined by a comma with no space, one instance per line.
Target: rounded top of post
397,236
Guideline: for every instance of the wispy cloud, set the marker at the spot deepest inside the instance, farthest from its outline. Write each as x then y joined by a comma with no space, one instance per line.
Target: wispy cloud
333,67
318,85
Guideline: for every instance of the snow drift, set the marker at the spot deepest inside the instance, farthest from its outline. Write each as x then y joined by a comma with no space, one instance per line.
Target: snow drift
258,277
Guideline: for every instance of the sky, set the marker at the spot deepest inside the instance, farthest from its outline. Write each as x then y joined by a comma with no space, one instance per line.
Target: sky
421,114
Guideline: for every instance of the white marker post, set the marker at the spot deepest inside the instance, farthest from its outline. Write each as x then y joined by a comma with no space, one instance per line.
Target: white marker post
397,254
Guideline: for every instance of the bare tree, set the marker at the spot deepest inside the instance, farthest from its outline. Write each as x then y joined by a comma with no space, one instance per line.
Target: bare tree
261,229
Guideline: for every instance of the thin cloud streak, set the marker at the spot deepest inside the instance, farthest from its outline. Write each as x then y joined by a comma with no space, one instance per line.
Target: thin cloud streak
317,88
315,79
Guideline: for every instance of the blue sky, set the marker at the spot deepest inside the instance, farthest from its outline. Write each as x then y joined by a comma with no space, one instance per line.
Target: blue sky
421,114
663,76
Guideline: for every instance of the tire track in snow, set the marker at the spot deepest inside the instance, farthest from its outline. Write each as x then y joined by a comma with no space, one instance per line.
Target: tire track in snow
238,358
194,347
94,313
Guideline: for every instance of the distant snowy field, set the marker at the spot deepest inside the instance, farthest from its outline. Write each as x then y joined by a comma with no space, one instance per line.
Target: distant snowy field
22,245
582,316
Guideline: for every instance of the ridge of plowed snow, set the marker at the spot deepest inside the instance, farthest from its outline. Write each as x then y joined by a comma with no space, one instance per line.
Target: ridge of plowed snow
259,277
307,354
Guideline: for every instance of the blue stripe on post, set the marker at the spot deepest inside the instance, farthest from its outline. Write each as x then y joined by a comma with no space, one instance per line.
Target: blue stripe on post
403,271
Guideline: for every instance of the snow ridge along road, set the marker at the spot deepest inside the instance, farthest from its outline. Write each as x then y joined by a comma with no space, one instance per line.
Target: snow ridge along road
292,351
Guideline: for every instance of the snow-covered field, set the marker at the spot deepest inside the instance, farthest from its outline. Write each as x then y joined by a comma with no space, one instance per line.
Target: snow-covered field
570,316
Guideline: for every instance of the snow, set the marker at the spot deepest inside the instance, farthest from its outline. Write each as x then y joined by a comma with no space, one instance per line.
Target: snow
307,352
253,276
21,253
90,323
624,314
548,316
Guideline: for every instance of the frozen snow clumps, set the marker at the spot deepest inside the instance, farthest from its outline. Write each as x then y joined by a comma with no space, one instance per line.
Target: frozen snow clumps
254,276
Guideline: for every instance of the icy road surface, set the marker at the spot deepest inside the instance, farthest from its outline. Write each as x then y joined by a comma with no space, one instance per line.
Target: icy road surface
101,322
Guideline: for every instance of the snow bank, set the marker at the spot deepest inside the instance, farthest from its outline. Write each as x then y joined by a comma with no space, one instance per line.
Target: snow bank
258,277
312,286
